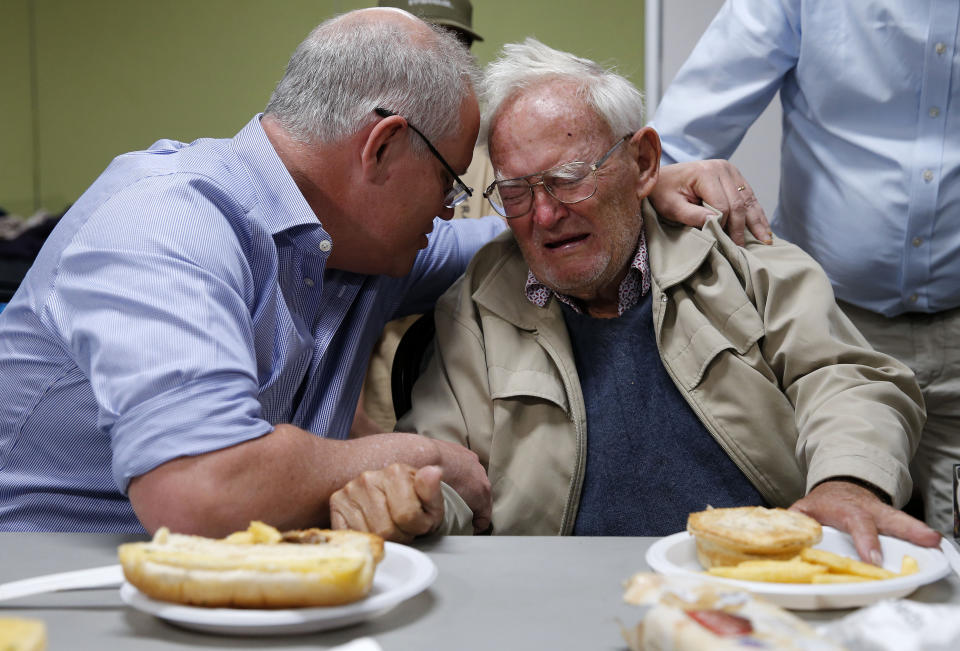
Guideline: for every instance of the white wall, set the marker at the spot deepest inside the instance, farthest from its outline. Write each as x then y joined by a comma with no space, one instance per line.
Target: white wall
672,38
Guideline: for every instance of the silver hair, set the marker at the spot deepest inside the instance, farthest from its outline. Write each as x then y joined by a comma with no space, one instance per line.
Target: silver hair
527,64
346,68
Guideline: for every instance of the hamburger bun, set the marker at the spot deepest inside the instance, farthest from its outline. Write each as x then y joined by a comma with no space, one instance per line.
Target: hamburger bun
729,536
257,568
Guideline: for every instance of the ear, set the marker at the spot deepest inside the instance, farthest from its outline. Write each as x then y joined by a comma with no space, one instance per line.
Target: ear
645,144
386,143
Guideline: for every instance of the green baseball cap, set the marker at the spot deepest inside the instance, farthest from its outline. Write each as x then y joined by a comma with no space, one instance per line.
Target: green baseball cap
457,14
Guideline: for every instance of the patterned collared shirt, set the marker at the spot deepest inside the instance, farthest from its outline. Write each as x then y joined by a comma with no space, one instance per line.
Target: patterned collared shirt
634,286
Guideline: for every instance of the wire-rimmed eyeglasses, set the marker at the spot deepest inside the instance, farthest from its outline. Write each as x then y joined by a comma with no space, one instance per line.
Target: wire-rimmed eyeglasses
460,192
571,182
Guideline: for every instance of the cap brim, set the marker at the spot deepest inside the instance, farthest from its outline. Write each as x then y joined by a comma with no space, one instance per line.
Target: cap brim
460,26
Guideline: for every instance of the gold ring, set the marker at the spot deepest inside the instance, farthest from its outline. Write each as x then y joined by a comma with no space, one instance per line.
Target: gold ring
741,188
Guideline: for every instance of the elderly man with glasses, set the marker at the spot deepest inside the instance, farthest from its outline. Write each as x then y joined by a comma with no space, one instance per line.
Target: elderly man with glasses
614,373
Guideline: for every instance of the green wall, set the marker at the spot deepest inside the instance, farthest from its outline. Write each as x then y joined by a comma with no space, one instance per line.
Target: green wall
17,192
83,81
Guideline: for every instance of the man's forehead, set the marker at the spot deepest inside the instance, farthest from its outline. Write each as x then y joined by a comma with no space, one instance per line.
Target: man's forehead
546,100
543,130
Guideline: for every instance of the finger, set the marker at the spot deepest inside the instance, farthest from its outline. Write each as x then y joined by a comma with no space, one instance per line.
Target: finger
757,220
892,522
404,505
710,187
379,491
337,520
676,208
735,226
347,513
866,541
482,516
744,208
747,209
426,483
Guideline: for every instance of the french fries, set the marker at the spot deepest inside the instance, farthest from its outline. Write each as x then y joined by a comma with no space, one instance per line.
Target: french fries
792,571
842,565
908,565
816,566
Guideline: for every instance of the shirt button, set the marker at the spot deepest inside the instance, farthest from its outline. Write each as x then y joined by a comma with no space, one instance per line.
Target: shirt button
917,241
934,111
941,48
325,246
663,298
308,282
913,298
927,175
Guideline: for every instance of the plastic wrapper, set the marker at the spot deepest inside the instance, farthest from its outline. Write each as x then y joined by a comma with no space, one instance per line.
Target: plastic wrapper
684,614
898,625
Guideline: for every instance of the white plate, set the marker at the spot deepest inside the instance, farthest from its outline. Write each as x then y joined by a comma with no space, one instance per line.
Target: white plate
403,573
677,555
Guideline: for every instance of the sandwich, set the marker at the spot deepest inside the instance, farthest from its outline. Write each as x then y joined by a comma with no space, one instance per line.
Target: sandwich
684,614
257,568
729,536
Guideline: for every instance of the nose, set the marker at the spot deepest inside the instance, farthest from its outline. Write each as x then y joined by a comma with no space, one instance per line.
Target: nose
446,214
547,211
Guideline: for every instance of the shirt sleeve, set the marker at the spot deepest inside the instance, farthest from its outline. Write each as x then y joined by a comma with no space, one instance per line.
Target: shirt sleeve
153,299
452,246
730,77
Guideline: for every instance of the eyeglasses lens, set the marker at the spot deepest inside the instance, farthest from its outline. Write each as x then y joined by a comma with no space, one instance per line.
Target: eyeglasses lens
455,196
569,183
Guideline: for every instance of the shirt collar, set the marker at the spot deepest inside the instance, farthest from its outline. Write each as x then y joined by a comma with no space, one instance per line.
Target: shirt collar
634,286
282,204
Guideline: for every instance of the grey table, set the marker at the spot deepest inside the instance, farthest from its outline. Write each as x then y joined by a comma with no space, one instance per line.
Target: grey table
491,593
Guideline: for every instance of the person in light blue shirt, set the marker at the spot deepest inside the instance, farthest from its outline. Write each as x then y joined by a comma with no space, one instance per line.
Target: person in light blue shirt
870,170
205,308
189,346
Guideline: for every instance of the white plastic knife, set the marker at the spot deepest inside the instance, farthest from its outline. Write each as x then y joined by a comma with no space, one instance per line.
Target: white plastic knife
96,577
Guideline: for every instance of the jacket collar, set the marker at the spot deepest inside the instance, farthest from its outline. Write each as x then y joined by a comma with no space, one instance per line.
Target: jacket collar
675,252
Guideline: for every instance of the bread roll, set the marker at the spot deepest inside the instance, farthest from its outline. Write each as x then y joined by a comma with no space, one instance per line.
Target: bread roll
257,568
19,634
729,536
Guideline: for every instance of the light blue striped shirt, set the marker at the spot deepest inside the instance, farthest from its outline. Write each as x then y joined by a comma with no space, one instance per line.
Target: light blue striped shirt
870,164
175,310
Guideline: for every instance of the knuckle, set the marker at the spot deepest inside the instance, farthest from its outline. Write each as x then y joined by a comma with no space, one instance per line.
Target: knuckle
407,514
386,532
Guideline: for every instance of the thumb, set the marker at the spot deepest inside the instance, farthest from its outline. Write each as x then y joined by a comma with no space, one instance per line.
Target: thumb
426,483
686,213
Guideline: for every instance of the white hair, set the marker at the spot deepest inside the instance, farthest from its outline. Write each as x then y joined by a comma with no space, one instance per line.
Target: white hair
346,68
527,64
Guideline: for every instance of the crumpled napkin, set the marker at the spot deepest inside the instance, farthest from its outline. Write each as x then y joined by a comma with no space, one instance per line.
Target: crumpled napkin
898,625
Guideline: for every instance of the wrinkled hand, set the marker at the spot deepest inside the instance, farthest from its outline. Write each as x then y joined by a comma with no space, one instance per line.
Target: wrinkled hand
397,503
857,511
683,187
464,473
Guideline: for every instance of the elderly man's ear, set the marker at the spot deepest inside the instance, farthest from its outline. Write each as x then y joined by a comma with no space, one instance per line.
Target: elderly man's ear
645,146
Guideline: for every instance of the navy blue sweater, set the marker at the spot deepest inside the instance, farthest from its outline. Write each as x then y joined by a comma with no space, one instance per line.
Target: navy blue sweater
650,461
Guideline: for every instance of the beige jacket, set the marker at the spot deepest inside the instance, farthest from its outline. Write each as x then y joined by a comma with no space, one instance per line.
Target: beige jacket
752,338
